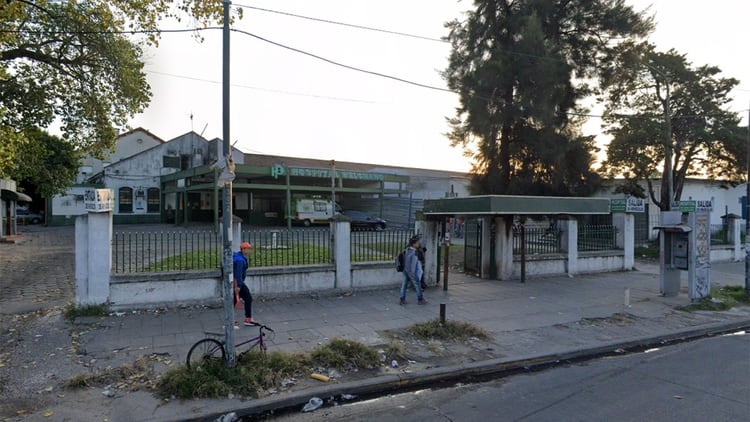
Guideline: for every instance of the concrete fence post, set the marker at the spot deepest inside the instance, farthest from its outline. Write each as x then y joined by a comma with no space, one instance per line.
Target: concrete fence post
99,258
628,241
236,234
428,230
503,248
735,237
486,247
341,251
570,244
82,260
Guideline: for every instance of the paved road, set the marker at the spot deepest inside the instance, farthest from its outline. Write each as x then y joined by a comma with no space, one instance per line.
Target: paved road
706,380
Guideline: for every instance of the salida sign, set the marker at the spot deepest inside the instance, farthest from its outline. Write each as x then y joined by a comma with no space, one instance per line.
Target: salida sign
98,200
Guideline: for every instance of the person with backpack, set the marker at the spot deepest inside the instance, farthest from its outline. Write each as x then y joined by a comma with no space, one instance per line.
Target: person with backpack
240,265
412,271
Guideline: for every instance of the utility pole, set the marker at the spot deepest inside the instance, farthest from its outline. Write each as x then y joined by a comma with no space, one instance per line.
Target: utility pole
668,148
227,289
747,212
333,185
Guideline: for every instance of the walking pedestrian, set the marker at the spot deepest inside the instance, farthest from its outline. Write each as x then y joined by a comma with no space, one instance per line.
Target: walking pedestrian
412,272
240,266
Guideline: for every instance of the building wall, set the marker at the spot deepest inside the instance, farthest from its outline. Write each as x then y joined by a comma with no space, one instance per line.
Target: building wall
125,146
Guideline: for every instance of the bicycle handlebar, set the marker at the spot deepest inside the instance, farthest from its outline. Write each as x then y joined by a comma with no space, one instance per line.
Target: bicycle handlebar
264,327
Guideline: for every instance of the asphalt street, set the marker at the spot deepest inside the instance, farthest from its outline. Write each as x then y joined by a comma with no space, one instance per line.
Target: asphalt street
704,380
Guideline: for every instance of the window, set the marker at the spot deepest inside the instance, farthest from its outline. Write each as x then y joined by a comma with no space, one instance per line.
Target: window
153,200
320,206
125,200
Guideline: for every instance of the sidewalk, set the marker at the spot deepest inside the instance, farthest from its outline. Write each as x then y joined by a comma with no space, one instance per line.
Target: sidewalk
550,315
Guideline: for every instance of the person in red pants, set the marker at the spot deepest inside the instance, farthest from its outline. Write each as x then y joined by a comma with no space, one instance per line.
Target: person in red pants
240,265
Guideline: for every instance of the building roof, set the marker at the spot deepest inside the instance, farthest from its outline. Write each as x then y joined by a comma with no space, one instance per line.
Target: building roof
140,129
265,160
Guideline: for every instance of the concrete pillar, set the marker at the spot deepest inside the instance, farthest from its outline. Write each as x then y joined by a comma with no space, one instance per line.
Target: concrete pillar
628,241
503,248
99,256
82,260
428,230
735,238
341,251
618,221
570,243
486,247
236,234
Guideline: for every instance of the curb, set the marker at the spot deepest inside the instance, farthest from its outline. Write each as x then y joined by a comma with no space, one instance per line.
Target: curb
477,370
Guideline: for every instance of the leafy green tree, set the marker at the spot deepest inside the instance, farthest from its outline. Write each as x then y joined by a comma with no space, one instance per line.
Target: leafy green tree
520,68
46,162
703,137
69,62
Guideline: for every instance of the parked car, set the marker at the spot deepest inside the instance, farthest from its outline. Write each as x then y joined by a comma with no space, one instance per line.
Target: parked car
363,220
24,216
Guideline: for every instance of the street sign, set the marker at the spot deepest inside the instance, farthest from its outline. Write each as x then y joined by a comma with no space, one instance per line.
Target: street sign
618,205
684,206
704,206
630,205
98,200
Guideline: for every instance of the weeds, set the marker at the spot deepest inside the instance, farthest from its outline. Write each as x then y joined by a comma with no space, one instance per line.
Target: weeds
450,330
73,312
395,351
138,374
345,355
721,299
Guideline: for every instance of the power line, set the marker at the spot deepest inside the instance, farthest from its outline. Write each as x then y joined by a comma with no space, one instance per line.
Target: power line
257,88
350,25
346,66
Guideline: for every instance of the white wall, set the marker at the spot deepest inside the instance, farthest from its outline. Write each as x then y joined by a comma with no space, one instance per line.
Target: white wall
70,204
125,146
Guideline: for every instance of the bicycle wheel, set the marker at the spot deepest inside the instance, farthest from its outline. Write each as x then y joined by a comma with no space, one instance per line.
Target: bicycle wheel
205,350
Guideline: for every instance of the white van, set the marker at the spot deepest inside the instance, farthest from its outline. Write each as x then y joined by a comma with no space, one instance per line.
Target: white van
313,211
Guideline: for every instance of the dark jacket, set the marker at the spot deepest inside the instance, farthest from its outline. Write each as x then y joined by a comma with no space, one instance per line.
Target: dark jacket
411,263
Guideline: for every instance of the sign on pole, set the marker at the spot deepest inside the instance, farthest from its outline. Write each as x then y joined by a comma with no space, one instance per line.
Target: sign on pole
629,205
99,200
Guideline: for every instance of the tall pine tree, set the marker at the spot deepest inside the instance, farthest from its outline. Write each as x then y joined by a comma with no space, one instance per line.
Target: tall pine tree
520,67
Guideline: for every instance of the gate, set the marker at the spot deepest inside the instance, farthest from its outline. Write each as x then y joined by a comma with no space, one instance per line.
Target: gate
473,247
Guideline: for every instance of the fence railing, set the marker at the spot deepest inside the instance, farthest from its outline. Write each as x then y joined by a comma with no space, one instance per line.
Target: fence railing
597,237
138,252
378,246
281,247
719,234
539,240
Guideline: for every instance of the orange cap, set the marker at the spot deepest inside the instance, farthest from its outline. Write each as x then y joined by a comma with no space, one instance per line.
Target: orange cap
246,245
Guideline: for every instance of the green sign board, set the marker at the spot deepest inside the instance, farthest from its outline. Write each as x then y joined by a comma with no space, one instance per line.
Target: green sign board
685,206
618,205
279,170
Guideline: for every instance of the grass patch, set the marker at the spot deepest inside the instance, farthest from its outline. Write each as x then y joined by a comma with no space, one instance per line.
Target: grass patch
395,351
256,372
721,299
647,252
208,259
72,312
345,355
451,330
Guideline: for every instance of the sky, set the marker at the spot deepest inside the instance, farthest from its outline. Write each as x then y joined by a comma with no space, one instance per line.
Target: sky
286,103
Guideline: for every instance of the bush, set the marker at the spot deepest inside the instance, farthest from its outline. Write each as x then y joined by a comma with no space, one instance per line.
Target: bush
345,355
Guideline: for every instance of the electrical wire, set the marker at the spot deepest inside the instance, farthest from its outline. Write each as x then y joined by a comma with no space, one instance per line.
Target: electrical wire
257,88
350,25
346,66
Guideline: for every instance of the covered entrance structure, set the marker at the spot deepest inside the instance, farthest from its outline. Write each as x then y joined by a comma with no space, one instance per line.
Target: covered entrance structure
263,195
490,222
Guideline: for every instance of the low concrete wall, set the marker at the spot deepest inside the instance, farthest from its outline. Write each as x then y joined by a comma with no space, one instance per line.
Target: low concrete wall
725,253
148,290
376,274
277,281
556,264
162,289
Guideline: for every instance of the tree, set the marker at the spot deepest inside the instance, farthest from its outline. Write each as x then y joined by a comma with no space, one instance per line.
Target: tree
513,64
70,63
645,89
47,162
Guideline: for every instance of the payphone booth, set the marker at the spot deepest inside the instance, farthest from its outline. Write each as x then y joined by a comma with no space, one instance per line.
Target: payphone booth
685,246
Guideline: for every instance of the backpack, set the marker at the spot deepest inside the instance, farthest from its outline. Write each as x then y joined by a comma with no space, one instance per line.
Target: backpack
400,261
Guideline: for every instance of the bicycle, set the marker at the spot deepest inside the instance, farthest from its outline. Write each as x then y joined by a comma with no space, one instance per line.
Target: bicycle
210,348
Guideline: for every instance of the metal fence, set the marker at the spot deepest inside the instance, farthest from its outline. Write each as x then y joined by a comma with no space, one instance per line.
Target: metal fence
158,251
379,246
719,234
596,237
539,240
281,247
